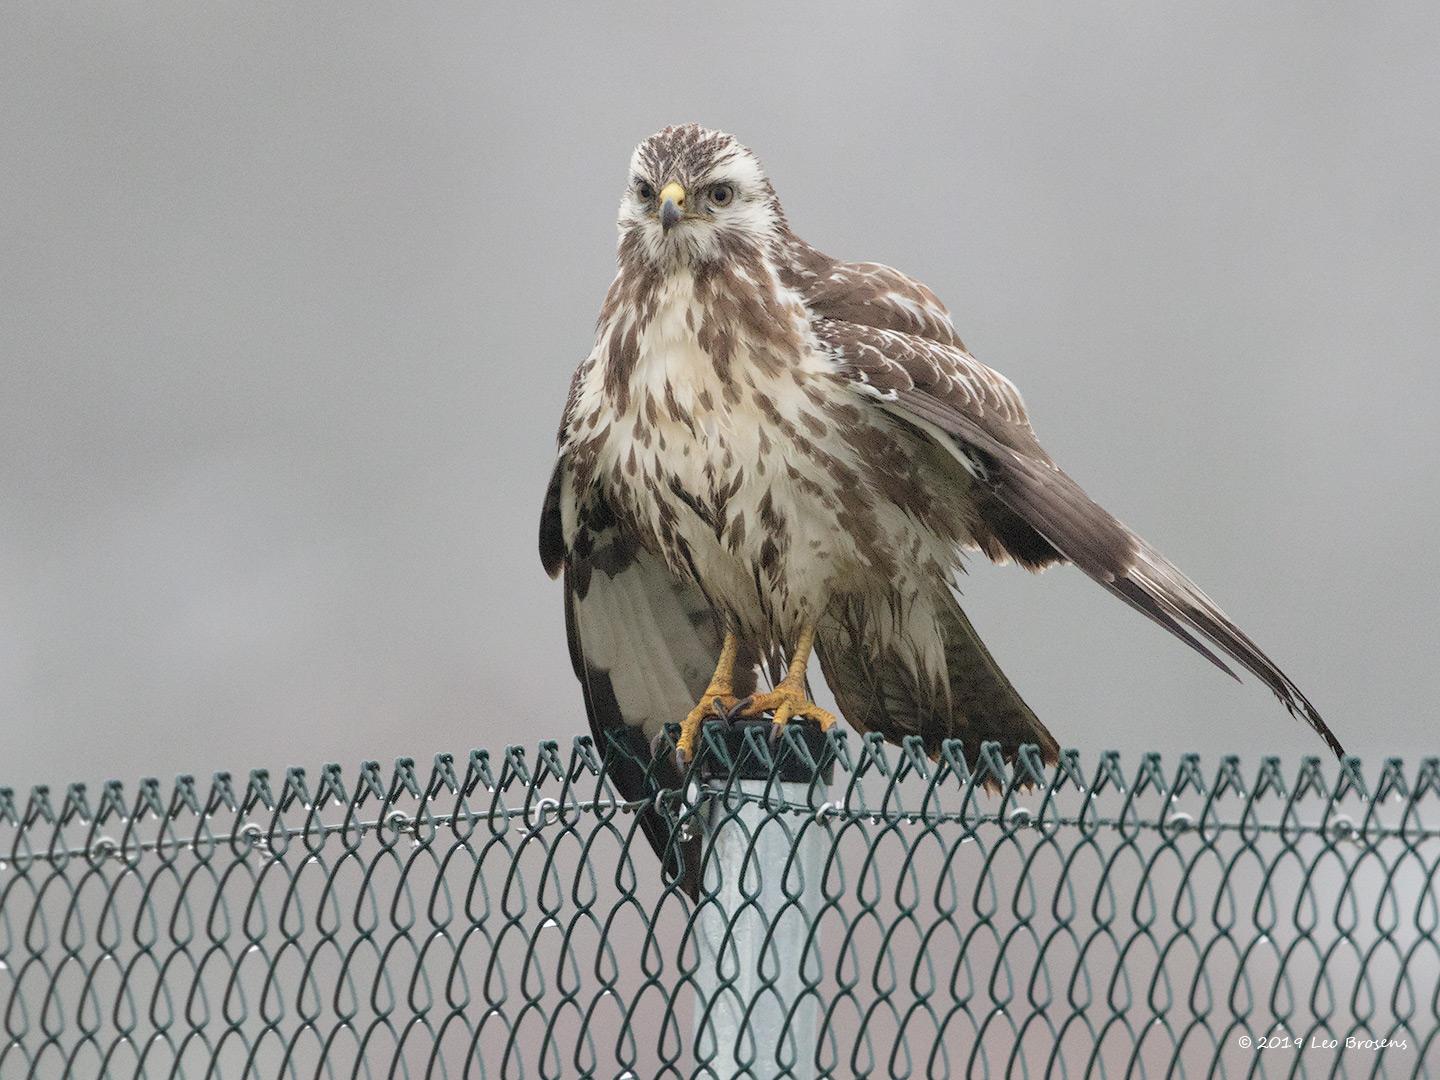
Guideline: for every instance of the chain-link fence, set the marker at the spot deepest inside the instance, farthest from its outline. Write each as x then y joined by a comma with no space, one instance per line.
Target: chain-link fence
865,911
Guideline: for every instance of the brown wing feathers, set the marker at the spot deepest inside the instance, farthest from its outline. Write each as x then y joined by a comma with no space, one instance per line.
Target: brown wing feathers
1082,531
1028,508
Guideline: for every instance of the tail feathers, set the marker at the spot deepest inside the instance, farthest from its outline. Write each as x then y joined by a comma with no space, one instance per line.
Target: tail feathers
883,692
636,769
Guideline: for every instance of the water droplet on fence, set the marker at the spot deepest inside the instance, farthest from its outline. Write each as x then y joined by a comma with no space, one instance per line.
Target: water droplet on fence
4,966
252,948
549,923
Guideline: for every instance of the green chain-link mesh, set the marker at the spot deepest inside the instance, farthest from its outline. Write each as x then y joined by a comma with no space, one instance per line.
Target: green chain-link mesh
506,918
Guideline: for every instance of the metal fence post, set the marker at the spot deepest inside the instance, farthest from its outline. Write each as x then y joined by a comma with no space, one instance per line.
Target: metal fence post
755,927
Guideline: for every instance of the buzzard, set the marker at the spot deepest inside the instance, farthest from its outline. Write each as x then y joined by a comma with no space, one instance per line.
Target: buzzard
770,451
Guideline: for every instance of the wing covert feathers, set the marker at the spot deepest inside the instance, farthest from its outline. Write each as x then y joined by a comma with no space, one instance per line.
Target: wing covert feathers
1035,512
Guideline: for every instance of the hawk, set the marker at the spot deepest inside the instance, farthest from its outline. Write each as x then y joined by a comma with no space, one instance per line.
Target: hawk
770,451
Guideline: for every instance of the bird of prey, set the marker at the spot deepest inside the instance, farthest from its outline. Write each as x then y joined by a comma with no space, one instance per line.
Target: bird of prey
770,451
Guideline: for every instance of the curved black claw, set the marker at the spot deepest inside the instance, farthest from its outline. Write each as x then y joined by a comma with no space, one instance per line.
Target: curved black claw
735,712
658,745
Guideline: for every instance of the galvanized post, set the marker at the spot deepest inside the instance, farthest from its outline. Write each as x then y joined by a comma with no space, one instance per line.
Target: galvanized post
755,928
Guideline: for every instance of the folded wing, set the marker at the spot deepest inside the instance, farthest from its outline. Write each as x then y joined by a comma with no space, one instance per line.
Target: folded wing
643,645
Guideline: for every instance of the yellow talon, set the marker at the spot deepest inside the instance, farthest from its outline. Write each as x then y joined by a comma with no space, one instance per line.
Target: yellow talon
703,710
720,689
788,701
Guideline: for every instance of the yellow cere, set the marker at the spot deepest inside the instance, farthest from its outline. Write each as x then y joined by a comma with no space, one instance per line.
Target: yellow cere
674,192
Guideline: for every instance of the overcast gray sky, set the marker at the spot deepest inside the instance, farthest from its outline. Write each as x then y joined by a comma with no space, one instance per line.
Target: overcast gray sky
290,296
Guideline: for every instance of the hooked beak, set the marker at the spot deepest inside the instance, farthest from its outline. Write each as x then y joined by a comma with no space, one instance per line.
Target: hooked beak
672,205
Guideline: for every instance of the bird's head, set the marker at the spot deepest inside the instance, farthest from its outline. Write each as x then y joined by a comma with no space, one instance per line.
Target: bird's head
694,196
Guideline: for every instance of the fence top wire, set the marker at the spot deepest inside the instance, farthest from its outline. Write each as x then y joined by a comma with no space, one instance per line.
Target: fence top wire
873,781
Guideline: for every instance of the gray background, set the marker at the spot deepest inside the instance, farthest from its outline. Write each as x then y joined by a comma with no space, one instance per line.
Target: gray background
289,299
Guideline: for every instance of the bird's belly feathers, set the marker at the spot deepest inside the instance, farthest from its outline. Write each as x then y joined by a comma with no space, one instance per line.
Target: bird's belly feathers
772,489
728,498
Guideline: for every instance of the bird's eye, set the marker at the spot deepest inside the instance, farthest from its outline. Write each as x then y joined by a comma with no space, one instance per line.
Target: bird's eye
721,194
644,190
